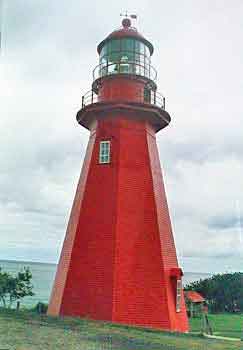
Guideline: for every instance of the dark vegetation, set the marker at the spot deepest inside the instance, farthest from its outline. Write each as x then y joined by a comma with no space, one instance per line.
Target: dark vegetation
40,308
224,292
13,288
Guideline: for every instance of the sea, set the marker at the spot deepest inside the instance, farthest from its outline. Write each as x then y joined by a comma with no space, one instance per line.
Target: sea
43,277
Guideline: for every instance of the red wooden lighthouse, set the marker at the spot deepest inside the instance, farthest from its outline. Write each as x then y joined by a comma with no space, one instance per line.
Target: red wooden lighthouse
118,261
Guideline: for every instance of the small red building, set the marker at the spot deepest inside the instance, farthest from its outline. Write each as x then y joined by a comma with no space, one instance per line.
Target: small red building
195,302
118,261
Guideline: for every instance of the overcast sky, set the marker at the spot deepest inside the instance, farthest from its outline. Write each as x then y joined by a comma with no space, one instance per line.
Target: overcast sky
48,53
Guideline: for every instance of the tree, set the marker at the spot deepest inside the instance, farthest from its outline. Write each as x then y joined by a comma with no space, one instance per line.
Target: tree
14,288
4,287
224,292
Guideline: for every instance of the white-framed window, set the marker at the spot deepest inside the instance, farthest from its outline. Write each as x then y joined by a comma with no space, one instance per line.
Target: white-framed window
105,150
178,295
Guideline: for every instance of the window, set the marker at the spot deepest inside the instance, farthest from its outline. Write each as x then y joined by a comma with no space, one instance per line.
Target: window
115,45
147,95
137,46
104,156
178,295
127,45
147,52
114,57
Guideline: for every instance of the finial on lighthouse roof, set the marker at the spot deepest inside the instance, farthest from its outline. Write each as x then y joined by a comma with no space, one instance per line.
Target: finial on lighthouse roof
126,22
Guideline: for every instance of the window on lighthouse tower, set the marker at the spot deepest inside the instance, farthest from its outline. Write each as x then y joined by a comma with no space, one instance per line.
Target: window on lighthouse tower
104,154
178,295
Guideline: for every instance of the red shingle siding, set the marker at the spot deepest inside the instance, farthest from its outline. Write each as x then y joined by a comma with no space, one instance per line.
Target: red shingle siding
119,250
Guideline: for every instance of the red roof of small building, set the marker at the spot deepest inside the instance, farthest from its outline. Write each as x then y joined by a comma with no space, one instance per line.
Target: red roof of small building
195,297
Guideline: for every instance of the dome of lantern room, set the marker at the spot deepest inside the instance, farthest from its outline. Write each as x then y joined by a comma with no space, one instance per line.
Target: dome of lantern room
126,31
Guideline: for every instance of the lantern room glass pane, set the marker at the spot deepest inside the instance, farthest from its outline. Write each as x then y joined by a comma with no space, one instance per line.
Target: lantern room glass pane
147,52
137,57
103,61
130,44
129,54
137,46
109,47
127,44
115,45
114,56
147,61
142,49
103,51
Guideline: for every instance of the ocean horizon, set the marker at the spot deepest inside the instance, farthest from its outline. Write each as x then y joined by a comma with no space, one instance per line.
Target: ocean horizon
44,274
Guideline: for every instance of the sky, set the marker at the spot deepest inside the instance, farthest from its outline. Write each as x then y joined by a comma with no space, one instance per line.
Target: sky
47,57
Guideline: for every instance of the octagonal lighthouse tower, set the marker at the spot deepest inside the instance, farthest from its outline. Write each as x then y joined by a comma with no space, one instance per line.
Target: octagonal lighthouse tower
118,261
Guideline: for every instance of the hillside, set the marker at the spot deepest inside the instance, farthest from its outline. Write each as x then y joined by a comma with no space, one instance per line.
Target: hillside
27,331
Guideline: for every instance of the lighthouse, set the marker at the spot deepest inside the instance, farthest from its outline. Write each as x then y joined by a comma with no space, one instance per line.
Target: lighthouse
118,262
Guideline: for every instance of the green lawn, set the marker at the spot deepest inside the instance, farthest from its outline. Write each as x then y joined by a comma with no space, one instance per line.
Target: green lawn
27,331
228,325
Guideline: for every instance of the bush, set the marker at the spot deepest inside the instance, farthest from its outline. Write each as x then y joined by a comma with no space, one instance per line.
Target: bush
14,288
224,292
41,308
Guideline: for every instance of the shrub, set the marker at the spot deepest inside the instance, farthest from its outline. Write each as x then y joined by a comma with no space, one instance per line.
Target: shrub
41,308
14,288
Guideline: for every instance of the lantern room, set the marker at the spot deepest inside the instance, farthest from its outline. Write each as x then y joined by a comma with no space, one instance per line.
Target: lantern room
124,74
125,51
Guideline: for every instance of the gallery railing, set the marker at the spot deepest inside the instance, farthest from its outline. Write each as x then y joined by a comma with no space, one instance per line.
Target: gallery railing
155,98
125,67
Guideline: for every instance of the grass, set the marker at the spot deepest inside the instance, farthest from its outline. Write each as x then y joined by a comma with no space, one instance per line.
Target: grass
25,330
227,325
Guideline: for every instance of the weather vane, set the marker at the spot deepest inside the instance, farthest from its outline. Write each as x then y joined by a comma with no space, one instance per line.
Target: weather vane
126,15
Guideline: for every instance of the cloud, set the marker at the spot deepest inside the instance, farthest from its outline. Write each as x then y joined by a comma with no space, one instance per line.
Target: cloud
223,222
